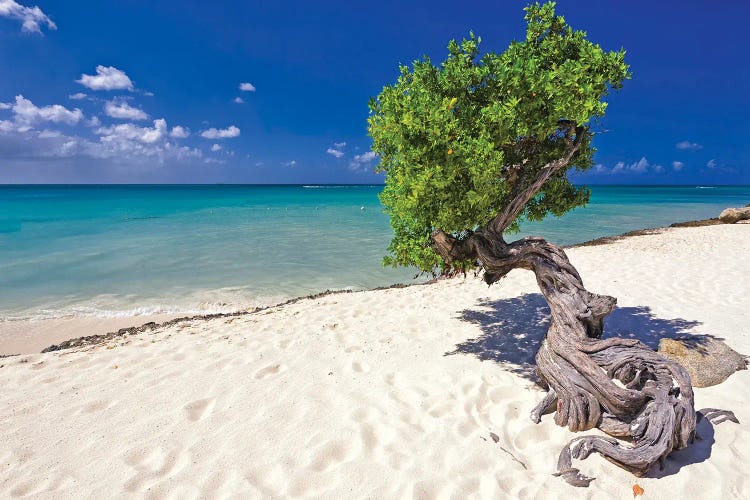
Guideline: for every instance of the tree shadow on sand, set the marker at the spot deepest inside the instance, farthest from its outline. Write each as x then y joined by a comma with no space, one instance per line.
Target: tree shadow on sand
513,330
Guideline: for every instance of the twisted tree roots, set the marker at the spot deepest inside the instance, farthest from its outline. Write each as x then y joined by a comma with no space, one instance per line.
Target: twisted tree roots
619,385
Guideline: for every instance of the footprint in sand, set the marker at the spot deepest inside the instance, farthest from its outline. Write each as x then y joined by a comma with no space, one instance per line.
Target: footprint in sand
331,455
269,370
200,409
286,343
96,405
360,367
152,465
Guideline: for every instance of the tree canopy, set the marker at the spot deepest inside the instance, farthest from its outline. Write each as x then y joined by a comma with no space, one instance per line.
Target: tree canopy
461,142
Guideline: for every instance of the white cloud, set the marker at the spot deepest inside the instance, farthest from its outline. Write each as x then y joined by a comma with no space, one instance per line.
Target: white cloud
5,105
148,94
711,163
688,145
128,141
106,78
77,96
122,144
640,166
26,115
7,126
179,132
362,162
124,111
31,17
339,145
247,87
215,148
93,122
132,132
226,133
239,100
48,134
335,152
289,163
677,166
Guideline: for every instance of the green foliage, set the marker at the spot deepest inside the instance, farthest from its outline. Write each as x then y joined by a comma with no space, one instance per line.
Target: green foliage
456,140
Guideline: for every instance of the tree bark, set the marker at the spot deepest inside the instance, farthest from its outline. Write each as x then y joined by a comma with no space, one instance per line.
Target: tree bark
619,385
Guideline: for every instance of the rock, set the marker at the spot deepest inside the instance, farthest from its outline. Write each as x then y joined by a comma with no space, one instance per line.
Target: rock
732,215
709,361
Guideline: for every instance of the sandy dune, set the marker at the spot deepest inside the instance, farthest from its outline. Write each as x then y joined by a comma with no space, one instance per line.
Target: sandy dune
382,394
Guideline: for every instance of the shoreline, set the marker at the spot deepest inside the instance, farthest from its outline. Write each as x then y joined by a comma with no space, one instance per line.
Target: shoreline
111,328
416,391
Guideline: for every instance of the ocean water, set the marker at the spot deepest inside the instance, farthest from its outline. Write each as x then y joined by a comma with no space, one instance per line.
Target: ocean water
114,251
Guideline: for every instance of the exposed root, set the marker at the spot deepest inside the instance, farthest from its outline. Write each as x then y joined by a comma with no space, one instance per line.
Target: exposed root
717,416
619,385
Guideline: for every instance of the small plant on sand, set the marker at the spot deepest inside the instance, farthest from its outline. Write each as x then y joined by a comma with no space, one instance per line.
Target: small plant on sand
474,146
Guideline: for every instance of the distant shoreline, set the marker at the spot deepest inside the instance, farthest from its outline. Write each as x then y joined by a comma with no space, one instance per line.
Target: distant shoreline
152,325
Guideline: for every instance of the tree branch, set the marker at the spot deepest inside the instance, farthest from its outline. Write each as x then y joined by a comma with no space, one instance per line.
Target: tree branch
522,196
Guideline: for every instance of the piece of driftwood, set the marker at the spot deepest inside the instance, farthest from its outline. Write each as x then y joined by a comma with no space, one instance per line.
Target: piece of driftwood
621,386
732,215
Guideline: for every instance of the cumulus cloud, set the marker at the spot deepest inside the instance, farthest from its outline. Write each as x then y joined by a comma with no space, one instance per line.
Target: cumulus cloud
133,143
26,115
226,133
124,111
363,161
215,148
132,132
335,152
711,163
125,143
179,132
639,167
5,105
290,163
106,78
48,134
677,166
339,145
77,96
32,18
688,145
239,100
247,87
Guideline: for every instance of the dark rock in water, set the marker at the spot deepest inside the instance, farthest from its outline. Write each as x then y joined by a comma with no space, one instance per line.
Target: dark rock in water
709,361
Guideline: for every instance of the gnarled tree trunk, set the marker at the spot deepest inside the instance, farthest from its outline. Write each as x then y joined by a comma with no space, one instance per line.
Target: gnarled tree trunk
620,386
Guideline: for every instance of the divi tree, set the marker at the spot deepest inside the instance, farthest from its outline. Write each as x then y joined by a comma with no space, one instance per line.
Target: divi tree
480,143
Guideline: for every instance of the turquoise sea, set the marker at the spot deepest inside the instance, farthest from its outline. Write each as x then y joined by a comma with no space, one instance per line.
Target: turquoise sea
127,250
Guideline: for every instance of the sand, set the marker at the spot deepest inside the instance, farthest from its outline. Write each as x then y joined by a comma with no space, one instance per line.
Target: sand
381,394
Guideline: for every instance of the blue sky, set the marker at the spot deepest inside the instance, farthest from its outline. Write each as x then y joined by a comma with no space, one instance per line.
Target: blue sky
144,91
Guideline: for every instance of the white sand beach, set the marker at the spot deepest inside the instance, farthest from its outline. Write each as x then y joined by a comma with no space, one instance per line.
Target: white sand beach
393,393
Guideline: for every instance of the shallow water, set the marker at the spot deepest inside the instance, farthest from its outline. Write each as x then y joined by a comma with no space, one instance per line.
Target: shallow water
127,250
